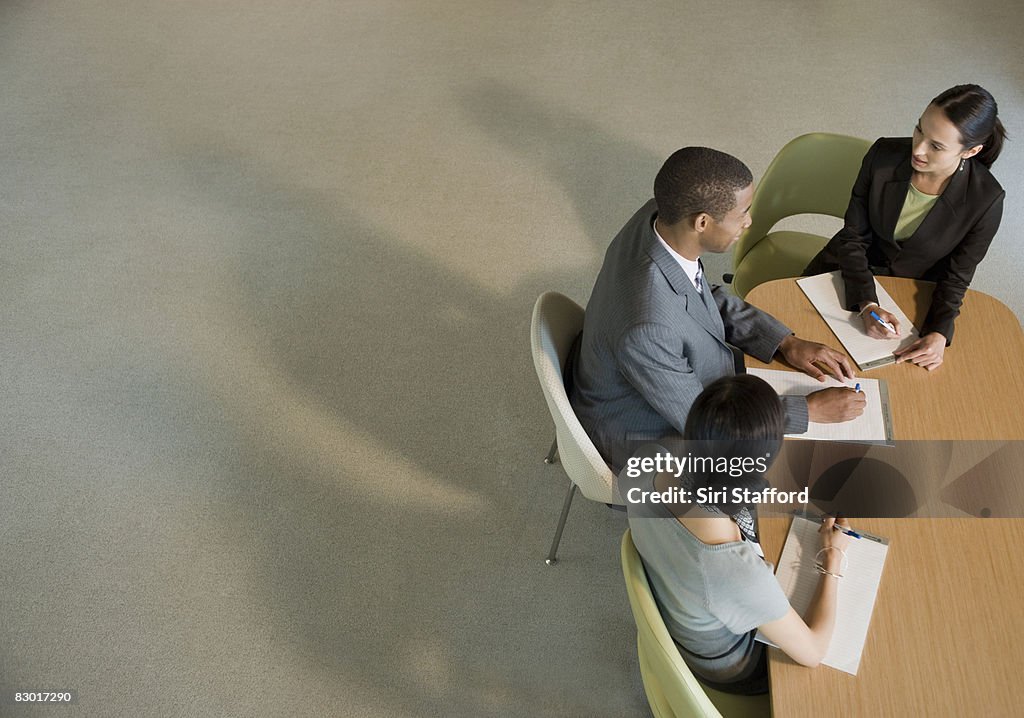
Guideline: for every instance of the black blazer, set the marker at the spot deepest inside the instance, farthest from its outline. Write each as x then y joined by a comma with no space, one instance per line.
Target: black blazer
945,249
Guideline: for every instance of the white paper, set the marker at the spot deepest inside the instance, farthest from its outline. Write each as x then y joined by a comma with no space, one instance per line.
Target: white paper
873,426
856,592
827,293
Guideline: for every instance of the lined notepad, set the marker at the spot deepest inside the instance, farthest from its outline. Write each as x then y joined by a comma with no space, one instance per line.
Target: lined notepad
828,293
856,592
873,426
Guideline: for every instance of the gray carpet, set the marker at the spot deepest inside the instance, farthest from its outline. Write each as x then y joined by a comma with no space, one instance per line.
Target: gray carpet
272,438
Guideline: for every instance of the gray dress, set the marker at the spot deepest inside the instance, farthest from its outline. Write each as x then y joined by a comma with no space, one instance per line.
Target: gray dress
711,597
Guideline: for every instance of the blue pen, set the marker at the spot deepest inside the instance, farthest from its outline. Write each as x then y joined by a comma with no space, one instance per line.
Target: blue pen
884,323
857,388
848,532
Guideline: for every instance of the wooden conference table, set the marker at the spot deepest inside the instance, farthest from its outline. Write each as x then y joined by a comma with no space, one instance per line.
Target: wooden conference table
947,633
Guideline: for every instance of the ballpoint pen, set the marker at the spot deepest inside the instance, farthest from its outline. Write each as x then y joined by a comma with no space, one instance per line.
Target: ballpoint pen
848,532
837,527
887,325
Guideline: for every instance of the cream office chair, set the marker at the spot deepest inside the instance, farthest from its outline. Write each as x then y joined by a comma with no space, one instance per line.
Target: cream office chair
557,320
813,174
672,689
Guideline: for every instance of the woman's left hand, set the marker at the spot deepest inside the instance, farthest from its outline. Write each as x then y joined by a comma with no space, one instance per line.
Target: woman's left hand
925,352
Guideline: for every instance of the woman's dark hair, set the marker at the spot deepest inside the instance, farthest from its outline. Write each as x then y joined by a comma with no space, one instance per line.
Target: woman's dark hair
736,417
736,408
974,112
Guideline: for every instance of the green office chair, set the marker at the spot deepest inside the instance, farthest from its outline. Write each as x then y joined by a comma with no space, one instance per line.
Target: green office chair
813,174
672,690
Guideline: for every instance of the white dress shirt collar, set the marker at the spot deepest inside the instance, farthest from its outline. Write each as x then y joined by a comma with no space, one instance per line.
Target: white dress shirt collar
690,266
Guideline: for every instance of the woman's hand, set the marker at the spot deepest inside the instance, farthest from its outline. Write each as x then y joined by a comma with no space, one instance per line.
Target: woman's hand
874,328
925,352
807,642
833,538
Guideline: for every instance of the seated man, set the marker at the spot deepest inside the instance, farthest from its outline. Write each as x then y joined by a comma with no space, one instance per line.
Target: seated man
656,333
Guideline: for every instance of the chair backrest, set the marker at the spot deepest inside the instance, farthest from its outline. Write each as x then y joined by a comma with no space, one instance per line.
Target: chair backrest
672,689
812,174
557,320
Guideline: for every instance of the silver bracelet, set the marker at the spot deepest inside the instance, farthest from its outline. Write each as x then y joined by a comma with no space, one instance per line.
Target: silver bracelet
843,565
824,571
868,306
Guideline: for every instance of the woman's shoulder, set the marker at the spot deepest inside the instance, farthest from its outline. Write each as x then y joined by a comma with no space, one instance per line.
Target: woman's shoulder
983,185
735,556
888,158
895,148
739,568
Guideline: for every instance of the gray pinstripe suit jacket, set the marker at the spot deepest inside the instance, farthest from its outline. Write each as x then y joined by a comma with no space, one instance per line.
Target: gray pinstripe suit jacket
651,343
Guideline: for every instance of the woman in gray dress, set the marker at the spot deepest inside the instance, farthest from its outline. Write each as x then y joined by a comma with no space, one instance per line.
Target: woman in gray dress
705,566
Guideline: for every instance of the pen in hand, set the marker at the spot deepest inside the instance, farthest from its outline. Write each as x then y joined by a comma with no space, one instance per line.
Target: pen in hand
887,325
843,529
848,532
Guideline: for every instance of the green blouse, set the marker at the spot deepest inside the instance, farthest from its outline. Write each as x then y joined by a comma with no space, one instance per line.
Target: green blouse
915,208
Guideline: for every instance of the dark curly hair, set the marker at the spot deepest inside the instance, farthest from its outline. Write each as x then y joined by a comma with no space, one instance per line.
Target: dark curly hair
699,179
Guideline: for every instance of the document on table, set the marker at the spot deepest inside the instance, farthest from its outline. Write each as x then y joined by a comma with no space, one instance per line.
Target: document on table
874,426
857,588
828,293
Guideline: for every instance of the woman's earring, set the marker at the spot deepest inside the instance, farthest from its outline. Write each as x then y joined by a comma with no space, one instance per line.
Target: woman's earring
962,164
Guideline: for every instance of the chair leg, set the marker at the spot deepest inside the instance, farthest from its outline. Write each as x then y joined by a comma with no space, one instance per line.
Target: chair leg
550,458
551,559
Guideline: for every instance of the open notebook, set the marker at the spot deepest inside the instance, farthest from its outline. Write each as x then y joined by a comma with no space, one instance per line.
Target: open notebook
827,293
857,588
874,426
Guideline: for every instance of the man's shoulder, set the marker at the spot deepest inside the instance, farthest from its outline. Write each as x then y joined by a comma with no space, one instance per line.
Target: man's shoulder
629,268
635,236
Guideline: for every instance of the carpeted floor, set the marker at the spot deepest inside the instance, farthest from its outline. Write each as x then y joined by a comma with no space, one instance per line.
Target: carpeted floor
272,438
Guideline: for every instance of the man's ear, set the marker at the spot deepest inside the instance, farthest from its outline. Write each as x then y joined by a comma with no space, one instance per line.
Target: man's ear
700,221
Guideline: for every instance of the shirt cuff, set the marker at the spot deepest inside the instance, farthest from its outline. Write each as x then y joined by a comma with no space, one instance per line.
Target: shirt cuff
796,414
770,341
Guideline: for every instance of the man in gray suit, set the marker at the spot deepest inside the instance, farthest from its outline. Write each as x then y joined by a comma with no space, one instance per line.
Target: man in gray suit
656,333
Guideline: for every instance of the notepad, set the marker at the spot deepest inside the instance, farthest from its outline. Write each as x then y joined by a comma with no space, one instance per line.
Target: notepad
827,293
857,589
874,426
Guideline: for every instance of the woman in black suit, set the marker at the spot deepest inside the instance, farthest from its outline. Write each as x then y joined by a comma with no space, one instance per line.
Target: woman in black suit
924,207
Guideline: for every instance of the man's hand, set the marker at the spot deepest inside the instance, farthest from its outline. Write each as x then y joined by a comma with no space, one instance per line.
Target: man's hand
925,352
831,406
803,355
874,328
